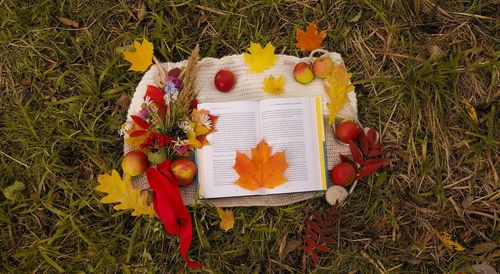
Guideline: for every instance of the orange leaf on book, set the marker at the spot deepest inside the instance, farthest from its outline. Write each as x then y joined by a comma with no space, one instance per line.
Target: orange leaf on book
310,39
263,170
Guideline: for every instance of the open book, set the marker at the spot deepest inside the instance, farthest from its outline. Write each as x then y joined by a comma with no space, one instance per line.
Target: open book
292,125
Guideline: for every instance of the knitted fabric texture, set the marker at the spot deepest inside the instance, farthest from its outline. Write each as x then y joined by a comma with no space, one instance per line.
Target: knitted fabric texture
249,88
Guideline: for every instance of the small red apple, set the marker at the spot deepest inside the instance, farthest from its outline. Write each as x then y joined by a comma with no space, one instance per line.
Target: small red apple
224,80
343,174
184,171
135,163
347,130
302,73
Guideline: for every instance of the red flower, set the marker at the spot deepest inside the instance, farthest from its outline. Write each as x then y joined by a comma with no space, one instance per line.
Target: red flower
156,94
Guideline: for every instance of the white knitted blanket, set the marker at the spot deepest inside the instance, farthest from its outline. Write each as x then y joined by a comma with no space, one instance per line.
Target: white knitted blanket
249,87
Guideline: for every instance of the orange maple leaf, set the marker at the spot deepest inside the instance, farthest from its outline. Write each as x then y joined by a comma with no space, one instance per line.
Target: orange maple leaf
263,170
310,39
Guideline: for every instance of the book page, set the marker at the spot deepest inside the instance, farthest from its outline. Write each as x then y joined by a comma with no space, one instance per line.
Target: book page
237,128
290,125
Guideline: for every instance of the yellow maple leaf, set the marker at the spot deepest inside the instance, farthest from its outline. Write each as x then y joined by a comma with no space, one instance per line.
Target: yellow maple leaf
337,86
449,243
259,59
142,57
263,170
124,194
273,85
310,39
227,219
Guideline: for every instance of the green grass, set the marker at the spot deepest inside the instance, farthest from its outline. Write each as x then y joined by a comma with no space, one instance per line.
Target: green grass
413,63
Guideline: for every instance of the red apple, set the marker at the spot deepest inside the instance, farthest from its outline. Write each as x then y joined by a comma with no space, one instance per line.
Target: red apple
343,174
302,73
135,163
224,80
184,171
347,130
322,66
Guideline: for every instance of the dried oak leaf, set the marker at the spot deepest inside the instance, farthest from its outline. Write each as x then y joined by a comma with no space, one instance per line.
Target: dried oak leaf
68,22
310,39
263,170
259,59
124,194
142,57
337,86
227,218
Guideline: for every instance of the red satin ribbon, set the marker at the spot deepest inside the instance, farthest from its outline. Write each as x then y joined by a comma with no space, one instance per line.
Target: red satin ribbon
168,204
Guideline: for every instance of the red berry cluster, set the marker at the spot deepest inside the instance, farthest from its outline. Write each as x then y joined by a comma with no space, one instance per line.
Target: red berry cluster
157,140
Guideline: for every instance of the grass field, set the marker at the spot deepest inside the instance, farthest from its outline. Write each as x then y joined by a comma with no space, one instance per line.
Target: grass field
64,91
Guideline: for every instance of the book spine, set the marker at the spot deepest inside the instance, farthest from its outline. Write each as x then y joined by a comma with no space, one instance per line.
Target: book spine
321,139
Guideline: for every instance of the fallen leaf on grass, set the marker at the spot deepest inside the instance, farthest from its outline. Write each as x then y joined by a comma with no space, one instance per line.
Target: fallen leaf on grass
259,59
483,248
493,255
435,53
142,57
356,17
320,230
68,22
337,86
141,14
483,268
310,39
287,246
448,242
12,192
227,219
470,110
123,193
123,101
263,170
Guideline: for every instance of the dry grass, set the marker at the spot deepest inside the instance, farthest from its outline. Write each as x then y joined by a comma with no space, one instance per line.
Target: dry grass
413,63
